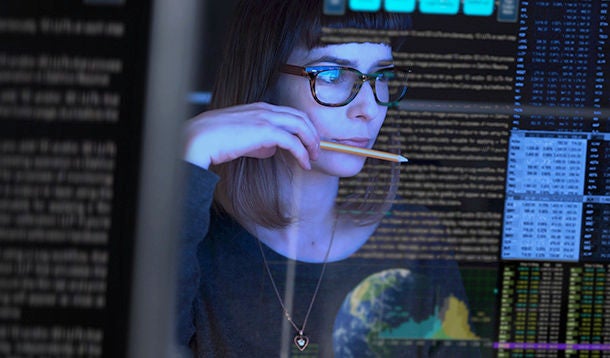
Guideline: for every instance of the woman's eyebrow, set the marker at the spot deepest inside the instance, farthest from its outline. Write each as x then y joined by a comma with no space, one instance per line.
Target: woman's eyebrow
332,59
346,62
383,63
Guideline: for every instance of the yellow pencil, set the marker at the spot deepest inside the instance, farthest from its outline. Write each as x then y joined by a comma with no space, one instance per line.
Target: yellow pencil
364,152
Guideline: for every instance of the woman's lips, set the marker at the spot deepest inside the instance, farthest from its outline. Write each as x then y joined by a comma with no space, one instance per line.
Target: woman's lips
355,142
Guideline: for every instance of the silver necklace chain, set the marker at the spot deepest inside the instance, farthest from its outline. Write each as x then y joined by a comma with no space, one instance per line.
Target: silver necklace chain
300,331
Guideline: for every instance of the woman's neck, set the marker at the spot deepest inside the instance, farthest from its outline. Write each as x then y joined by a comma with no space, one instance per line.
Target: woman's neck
309,198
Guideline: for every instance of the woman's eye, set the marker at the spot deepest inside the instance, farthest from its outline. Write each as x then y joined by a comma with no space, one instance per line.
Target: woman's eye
330,76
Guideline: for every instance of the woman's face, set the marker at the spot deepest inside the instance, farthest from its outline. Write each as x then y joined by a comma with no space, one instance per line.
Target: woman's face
356,123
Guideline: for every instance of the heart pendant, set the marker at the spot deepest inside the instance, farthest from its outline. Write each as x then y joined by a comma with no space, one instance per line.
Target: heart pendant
301,341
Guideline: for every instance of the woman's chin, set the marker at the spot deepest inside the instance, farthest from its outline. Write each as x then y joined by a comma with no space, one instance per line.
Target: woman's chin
343,167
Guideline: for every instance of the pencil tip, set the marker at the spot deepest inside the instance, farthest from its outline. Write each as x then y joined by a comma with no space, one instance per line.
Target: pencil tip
402,159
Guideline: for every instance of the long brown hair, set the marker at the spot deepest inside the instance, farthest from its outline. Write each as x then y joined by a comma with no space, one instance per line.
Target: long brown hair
261,37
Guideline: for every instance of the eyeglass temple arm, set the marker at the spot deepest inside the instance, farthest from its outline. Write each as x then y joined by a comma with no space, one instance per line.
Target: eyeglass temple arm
294,70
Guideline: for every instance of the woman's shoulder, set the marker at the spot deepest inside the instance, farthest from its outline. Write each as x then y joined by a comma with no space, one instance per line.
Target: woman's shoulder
199,176
226,237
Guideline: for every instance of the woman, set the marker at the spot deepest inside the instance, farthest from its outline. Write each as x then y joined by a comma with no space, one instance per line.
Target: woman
268,268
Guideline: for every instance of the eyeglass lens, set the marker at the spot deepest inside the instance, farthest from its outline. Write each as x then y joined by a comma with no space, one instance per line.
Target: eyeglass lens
337,86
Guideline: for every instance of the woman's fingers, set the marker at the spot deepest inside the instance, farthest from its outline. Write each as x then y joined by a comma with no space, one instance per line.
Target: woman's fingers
278,138
298,124
254,130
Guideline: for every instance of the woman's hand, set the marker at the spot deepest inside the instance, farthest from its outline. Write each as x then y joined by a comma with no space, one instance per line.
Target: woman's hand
251,130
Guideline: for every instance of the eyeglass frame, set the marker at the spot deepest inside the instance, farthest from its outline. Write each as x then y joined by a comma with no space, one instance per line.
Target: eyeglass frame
311,72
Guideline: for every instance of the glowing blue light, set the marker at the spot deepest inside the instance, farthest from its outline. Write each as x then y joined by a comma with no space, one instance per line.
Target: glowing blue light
365,5
478,7
445,7
399,5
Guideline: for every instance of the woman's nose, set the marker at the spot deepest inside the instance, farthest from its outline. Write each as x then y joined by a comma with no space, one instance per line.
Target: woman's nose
364,106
